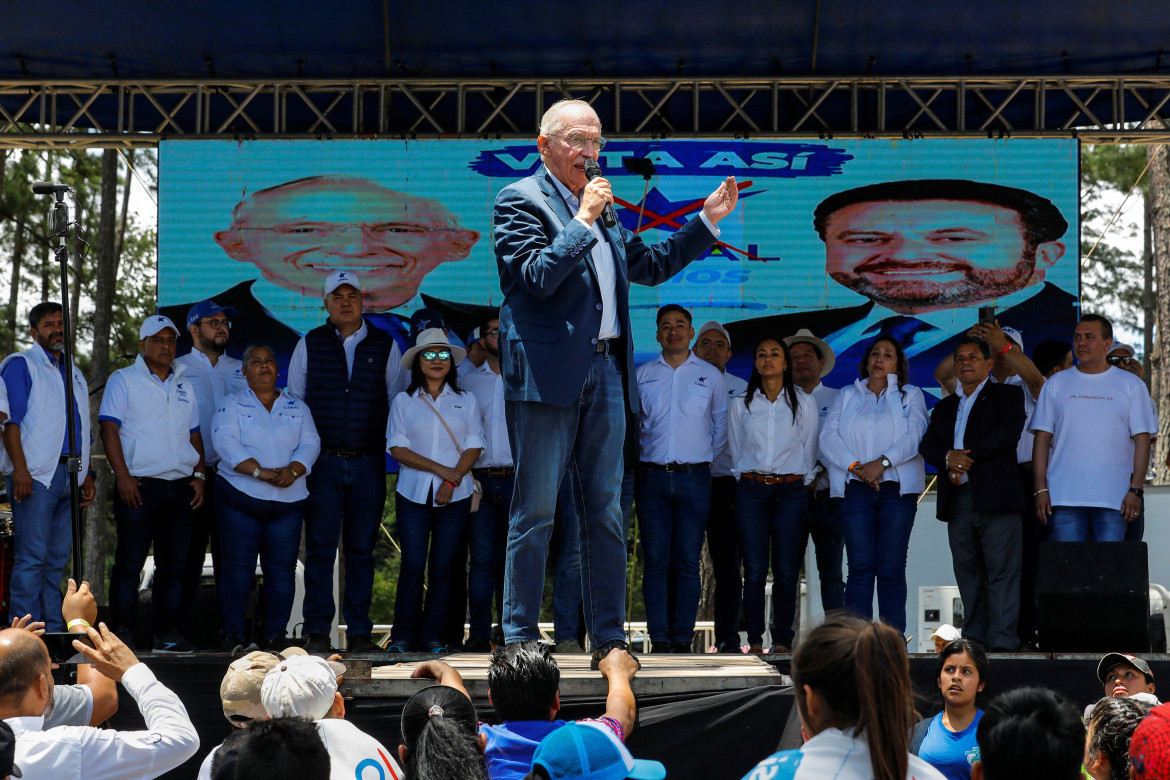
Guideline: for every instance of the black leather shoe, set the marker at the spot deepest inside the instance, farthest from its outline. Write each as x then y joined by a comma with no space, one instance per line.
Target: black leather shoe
730,647
682,647
361,643
318,643
477,644
603,650
657,648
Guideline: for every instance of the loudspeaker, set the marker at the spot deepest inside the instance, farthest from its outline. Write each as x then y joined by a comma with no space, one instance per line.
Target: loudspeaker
1094,597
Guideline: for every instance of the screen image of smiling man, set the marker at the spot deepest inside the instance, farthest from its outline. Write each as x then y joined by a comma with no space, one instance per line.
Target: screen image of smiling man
299,232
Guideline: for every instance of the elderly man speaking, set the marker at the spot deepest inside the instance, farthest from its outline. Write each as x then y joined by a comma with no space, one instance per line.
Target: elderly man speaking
567,355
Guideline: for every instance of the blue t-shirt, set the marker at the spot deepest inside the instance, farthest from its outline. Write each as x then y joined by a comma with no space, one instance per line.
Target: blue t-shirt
951,752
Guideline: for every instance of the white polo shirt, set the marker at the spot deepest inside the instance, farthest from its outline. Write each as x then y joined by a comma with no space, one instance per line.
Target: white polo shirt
488,388
212,384
684,411
243,428
75,752
768,438
736,387
414,426
155,420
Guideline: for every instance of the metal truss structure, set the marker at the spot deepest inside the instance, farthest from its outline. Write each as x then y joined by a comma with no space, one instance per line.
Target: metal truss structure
111,113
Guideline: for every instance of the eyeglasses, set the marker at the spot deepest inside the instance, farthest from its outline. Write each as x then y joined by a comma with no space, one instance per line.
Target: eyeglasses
492,332
217,324
1119,360
442,354
383,234
579,141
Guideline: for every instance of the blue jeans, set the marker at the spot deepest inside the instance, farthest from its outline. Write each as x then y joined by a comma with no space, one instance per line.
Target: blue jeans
586,438
489,530
421,526
1087,524
346,498
877,525
772,523
164,517
270,529
824,525
43,535
566,551
672,513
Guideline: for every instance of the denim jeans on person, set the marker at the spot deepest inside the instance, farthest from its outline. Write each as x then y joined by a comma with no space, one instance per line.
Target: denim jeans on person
672,516
422,527
164,517
586,437
264,528
346,499
42,539
877,526
773,526
565,548
1087,524
488,534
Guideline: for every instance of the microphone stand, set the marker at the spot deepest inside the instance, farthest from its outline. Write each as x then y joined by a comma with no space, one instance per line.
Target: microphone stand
67,244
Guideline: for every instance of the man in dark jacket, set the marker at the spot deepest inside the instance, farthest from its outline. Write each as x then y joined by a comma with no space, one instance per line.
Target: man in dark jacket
972,440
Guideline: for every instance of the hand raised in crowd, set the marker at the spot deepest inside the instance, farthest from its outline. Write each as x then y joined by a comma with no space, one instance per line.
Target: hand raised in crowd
992,333
22,484
88,491
618,664
1131,506
79,603
109,654
127,486
722,201
197,486
28,624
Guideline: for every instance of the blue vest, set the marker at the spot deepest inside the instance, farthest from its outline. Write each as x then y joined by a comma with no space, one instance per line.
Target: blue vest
350,413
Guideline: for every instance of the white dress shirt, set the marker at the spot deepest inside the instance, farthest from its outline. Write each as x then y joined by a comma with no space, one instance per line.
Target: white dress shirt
823,397
488,388
736,387
212,384
414,426
298,367
68,752
243,428
765,438
684,411
964,411
862,426
602,254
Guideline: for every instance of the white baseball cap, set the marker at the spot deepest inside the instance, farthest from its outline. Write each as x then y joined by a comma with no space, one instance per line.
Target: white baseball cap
946,632
338,278
303,686
153,324
1015,336
713,325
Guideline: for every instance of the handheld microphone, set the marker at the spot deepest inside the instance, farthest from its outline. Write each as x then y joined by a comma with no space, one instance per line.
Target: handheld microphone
48,188
593,170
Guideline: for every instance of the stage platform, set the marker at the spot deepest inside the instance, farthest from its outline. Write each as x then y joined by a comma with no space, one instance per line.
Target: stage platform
703,716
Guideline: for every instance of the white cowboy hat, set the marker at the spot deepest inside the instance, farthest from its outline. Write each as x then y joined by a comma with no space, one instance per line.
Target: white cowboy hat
805,335
432,338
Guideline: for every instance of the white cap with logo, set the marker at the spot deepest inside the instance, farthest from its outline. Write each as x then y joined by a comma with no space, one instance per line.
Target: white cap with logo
299,687
338,278
153,324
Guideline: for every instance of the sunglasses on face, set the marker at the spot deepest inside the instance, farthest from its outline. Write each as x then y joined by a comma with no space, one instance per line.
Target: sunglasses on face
442,354
1119,360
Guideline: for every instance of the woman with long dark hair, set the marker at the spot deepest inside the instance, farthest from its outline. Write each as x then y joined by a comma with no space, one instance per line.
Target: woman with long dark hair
851,678
947,741
870,445
440,739
772,433
434,432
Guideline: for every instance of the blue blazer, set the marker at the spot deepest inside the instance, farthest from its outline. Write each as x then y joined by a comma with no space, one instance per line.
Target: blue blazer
552,303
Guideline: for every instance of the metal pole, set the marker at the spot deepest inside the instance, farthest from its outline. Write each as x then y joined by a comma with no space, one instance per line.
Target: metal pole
62,251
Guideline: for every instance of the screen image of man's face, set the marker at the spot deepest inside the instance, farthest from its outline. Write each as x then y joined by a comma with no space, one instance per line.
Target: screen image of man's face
920,256
299,233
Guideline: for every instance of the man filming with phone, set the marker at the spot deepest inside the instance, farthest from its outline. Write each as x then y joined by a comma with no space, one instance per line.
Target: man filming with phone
26,699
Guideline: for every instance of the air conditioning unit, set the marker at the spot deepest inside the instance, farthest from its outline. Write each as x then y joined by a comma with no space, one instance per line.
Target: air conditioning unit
937,604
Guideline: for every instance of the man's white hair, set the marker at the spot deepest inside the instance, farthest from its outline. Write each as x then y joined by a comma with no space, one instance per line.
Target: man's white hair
550,123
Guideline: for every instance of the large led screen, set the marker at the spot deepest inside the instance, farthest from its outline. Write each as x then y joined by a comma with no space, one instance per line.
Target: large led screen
846,238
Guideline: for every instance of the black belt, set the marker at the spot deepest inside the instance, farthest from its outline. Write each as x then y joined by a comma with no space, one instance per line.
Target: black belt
64,459
676,466
603,346
496,472
349,453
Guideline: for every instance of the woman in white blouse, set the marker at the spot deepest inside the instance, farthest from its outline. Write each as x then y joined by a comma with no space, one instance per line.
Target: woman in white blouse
772,434
435,433
870,444
267,443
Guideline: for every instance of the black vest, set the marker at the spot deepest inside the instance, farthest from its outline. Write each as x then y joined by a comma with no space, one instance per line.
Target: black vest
350,413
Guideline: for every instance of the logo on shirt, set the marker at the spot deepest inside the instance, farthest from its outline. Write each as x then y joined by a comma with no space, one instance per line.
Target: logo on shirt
701,381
